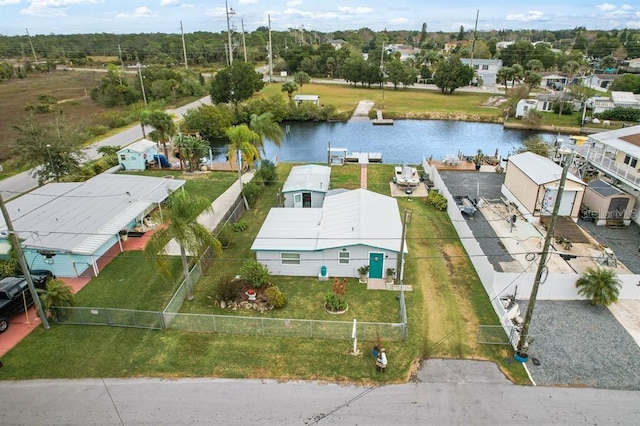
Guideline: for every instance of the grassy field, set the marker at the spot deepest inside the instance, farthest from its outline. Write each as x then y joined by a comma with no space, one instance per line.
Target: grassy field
445,309
401,103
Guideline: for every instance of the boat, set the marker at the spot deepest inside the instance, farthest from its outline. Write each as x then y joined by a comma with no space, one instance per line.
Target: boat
406,176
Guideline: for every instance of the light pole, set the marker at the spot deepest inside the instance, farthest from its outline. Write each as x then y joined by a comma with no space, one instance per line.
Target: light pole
53,165
144,95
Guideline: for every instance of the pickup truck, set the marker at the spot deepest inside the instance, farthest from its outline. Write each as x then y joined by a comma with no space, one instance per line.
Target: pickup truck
12,300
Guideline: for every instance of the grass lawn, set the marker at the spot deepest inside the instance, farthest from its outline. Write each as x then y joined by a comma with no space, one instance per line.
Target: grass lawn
401,103
444,311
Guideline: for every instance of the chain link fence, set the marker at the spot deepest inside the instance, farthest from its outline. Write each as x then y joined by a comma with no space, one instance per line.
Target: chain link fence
109,316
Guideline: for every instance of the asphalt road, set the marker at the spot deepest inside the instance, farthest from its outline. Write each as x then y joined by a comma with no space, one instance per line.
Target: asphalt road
443,392
24,182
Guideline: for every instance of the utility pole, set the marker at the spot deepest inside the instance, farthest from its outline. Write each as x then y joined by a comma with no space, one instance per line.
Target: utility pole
121,65
144,95
270,51
35,58
382,71
407,217
521,349
229,11
184,48
23,263
244,43
473,43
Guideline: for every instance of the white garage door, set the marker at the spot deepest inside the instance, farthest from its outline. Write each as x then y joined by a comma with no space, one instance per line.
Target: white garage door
566,204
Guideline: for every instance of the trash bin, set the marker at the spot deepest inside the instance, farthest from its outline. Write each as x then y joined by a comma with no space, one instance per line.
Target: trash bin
323,271
374,352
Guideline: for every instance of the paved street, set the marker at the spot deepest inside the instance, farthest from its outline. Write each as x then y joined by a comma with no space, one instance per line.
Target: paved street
443,392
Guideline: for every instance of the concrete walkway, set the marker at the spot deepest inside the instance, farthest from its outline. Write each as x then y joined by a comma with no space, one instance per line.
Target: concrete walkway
220,206
362,110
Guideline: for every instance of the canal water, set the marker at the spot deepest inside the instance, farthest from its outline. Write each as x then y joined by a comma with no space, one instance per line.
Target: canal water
404,141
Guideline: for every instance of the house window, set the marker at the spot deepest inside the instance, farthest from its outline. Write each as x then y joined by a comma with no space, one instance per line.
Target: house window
485,67
343,257
290,258
633,162
123,157
476,66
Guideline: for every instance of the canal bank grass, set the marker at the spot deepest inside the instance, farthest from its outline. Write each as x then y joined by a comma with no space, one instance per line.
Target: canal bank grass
400,103
444,310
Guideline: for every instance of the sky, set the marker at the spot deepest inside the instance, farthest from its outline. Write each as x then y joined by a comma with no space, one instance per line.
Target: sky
164,16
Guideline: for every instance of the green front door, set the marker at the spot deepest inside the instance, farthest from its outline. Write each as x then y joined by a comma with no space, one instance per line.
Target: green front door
375,265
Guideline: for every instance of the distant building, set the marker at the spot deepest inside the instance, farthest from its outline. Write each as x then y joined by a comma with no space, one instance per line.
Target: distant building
487,69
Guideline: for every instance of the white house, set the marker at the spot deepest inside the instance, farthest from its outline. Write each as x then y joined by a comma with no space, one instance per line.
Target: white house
352,229
531,183
487,69
314,99
67,227
306,186
138,155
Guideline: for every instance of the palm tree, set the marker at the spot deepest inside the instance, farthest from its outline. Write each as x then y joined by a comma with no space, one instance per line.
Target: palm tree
163,125
266,127
601,285
182,226
56,294
289,87
245,144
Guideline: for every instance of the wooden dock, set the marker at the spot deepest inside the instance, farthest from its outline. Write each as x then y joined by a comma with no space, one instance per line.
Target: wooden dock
379,120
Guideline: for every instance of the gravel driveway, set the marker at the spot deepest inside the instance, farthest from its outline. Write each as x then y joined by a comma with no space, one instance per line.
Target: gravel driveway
581,345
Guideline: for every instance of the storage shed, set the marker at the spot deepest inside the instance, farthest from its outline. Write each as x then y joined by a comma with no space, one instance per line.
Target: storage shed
306,186
531,183
604,202
138,155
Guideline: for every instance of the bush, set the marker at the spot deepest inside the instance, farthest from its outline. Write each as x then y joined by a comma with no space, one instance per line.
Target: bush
225,236
620,114
276,297
437,200
251,192
254,273
335,302
228,288
9,267
240,226
267,173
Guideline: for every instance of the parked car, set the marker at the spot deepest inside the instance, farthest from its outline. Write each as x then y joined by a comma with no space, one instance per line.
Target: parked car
15,296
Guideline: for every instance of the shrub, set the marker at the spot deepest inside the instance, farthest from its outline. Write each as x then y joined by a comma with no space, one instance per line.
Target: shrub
9,267
267,173
255,273
57,294
620,114
240,226
225,236
251,192
437,200
276,297
335,302
228,288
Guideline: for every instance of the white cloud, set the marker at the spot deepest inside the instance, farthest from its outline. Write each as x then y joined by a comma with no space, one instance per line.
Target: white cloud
606,6
138,12
531,16
633,24
248,1
293,3
399,21
8,2
169,2
53,7
626,7
355,10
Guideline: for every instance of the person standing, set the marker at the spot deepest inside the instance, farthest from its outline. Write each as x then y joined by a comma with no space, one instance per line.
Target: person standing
381,360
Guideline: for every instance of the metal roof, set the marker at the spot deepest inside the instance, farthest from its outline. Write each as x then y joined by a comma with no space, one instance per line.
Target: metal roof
81,217
540,169
310,177
141,146
613,138
306,97
604,188
348,218
289,229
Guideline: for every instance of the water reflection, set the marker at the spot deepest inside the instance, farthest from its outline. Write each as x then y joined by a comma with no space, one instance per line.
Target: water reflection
404,141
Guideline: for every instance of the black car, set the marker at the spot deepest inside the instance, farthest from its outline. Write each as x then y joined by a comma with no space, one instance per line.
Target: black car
15,295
